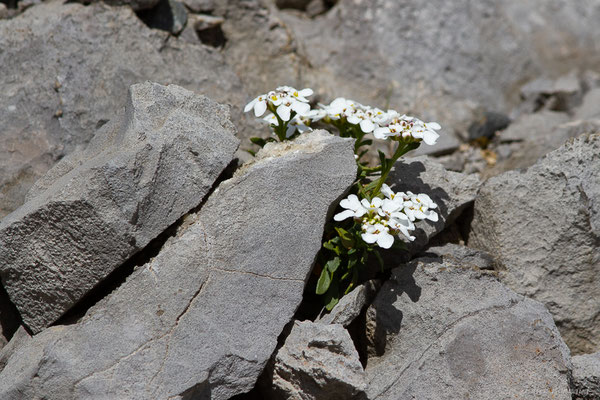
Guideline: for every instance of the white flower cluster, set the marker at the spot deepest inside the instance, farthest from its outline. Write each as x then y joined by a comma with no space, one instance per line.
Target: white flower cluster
283,100
383,124
381,219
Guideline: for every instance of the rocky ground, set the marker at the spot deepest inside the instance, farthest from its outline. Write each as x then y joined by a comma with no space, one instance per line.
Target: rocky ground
145,255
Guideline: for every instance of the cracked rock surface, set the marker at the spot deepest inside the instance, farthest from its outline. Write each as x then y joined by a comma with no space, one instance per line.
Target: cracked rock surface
443,329
99,207
586,377
202,318
543,227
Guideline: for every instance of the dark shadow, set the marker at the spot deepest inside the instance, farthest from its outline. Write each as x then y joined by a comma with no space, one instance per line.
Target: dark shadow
10,319
212,36
170,16
10,4
388,318
200,391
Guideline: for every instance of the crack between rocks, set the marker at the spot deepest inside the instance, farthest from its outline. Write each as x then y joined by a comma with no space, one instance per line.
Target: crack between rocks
170,332
233,271
142,346
450,327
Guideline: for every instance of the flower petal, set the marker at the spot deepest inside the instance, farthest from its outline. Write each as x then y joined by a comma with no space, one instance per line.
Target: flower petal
369,237
300,108
385,240
367,125
260,107
284,112
343,215
250,105
306,92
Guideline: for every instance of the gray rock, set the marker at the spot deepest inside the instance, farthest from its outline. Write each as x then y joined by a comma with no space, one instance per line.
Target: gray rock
317,361
465,256
559,94
542,225
533,127
452,192
135,180
19,339
66,71
201,319
200,6
136,5
542,142
446,58
444,329
586,377
590,106
352,304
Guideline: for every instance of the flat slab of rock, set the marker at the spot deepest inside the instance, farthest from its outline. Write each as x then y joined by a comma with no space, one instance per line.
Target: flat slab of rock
202,318
441,329
586,377
542,225
318,361
138,177
590,106
66,72
451,191
351,305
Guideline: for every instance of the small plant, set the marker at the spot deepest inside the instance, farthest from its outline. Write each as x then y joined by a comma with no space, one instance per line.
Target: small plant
372,215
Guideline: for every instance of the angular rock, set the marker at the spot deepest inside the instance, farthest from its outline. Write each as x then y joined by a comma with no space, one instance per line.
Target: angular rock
201,319
586,377
452,192
444,329
19,339
543,227
590,106
66,71
138,177
533,127
526,153
558,94
317,361
168,15
352,304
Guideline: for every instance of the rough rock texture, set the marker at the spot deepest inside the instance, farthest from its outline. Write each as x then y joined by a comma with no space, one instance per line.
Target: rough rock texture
586,377
66,71
317,361
443,329
543,226
137,178
202,318
352,304
452,192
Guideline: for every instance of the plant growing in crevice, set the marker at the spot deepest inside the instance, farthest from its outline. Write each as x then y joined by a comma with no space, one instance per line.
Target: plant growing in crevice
372,215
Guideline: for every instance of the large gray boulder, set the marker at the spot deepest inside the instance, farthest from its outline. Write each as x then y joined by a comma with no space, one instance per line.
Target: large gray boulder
66,69
201,319
586,377
137,178
542,225
442,329
317,361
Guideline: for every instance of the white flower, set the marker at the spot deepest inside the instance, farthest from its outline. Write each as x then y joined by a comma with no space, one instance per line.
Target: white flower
297,123
284,100
379,234
259,104
404,126
353,207
420,206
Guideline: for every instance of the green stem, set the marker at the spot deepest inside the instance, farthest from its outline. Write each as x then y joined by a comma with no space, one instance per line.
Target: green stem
402,149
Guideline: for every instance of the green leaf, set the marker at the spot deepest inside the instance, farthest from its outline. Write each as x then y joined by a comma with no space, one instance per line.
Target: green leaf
324,281
367,142
333,264
382,158
332,297
253,153
347,238
330,246
258,141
